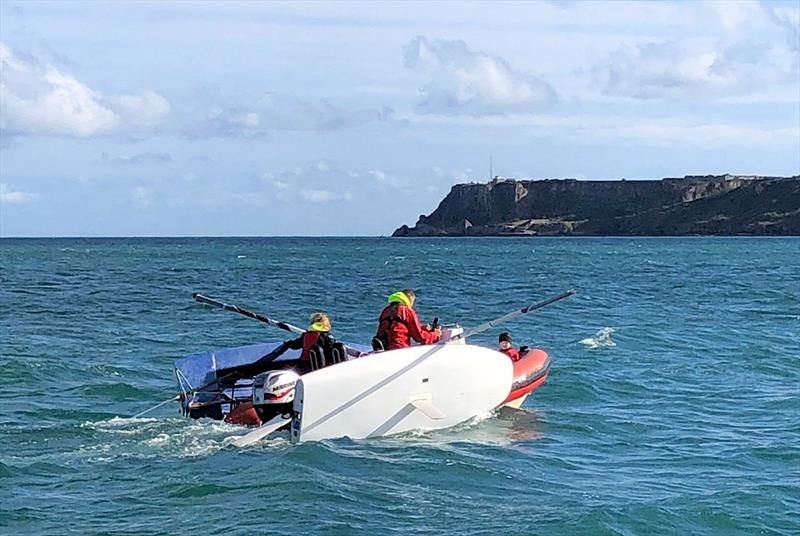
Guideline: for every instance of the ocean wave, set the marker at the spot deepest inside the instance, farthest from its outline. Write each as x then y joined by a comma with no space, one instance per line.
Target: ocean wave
5,472
189,491
113,391
699,396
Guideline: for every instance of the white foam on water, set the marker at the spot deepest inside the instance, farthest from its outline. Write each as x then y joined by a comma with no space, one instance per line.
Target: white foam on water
118,424
273,440
160,439
601,339
473,431
143,438
121,437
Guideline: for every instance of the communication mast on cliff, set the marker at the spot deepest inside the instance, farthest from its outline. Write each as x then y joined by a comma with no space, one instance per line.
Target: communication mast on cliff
491,175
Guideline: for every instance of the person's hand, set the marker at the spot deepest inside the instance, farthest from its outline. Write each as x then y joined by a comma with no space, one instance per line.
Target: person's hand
426,327
438,332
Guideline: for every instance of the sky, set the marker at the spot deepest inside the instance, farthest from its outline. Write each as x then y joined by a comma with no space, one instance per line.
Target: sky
257,119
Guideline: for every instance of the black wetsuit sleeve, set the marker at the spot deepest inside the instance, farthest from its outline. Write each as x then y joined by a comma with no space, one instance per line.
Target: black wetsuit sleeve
295,344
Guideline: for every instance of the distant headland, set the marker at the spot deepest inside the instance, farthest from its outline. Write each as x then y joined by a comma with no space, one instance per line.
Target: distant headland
692,205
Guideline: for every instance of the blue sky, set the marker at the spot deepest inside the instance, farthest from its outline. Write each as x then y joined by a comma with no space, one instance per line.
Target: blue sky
185,119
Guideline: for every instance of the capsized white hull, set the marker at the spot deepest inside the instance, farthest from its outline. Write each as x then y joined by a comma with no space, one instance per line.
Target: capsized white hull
418,388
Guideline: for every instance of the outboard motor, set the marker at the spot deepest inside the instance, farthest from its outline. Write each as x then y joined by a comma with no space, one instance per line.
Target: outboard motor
274,387
451,333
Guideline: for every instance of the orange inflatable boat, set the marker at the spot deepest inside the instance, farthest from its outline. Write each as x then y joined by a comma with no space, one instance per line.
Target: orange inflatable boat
530,372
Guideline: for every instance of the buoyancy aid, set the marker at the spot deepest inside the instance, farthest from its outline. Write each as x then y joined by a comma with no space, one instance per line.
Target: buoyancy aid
511,352
310,338
398,324
385,324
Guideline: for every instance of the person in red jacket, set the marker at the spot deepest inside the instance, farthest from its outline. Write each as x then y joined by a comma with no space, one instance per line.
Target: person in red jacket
507,348
318,330
399,324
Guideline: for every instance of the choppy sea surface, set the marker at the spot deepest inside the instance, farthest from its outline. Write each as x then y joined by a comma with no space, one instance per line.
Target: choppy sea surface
673,406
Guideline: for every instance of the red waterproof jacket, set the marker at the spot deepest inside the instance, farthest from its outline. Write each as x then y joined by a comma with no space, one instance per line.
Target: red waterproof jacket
401,324
513,353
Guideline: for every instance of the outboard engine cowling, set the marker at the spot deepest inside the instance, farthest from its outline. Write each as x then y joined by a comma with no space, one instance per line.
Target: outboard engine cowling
274,387
451,334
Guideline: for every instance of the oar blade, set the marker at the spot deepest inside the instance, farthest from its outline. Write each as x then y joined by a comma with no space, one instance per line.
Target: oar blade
206,300
261,432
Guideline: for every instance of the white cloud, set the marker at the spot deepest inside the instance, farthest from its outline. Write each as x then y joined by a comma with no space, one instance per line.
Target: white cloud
384,180
277,112
377,175
144,111
142,197
323,167
141,158
42,100
787,17
664,70
14,197
323,181
463,81
754,47
709,135
638,129
324,196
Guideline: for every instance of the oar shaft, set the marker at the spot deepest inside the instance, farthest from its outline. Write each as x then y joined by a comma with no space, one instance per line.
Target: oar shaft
554,299
247,312
513,314
236,309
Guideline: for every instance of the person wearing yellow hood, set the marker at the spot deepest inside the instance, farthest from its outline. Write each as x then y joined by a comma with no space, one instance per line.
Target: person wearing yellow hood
399,323
318,332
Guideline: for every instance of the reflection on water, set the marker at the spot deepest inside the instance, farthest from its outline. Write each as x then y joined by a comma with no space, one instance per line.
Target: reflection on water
520,424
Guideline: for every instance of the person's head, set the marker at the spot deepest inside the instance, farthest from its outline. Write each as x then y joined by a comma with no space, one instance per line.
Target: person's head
406,297
505,340
411,296
319,322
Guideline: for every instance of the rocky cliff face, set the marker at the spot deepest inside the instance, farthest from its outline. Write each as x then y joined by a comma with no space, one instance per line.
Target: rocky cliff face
714,205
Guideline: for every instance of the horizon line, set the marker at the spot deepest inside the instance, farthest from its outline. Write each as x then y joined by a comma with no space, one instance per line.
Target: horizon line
400,237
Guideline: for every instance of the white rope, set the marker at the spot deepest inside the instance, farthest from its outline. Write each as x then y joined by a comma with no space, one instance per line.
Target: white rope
183,382
174,398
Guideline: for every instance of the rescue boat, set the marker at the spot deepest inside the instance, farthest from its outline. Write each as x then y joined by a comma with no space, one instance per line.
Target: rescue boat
530,372
360,394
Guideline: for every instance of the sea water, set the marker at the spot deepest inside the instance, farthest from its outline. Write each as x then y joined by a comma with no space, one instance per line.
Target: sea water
672,406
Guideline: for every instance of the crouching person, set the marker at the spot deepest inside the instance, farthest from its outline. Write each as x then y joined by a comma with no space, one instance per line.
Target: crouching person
317,334
399,324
